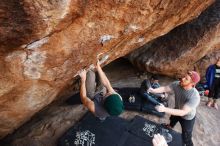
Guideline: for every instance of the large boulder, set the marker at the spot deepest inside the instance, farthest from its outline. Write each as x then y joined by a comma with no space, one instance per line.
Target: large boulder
43,44
183,48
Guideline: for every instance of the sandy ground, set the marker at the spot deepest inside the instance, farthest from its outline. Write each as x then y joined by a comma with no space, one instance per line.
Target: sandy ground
46,127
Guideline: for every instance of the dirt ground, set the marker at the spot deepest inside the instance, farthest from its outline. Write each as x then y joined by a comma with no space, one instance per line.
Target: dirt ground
46,127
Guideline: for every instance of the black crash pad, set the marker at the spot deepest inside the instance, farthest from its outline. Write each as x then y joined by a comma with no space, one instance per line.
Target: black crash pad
145,129
126,93
91,130
129,139
114,131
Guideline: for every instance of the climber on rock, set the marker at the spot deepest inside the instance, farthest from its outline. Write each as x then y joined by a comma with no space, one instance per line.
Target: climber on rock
102,101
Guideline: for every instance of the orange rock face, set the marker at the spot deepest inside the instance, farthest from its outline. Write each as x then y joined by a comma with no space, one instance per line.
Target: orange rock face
184,48
44,43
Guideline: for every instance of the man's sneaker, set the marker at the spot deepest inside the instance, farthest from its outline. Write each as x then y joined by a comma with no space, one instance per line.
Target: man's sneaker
209,103
215,105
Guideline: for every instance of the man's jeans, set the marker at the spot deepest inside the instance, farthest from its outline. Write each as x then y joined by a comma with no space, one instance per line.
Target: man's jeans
187,128
150,98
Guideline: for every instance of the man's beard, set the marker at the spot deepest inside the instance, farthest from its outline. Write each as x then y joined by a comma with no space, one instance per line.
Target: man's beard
183,84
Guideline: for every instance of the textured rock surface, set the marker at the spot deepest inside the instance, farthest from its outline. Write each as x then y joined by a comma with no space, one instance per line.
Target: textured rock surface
180,50
45,128
45,43
24,21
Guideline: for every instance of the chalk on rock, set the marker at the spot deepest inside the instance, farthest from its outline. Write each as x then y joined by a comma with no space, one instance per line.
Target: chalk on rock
91,67
104,58
105,38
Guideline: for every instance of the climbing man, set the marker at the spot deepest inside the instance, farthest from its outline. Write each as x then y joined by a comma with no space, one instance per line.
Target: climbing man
187,99
102,102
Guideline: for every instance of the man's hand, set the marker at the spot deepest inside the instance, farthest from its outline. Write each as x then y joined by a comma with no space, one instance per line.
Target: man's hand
150,90
97,63
159,140
160,108
164,95
82,74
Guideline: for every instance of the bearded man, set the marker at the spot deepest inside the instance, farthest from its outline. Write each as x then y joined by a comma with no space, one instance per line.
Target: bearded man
187,99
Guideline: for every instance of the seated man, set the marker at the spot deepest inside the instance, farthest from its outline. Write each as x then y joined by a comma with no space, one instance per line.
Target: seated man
101,103
153,83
